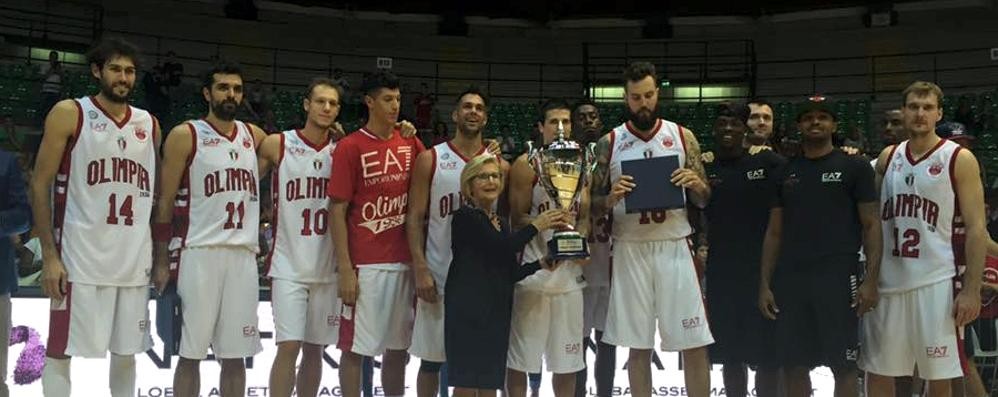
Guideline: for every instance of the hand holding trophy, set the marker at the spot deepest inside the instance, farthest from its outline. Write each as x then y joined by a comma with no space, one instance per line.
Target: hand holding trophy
562,168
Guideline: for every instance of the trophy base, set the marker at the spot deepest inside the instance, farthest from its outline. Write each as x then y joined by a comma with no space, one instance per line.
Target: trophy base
568,244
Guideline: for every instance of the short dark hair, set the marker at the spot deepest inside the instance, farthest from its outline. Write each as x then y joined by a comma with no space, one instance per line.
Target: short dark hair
222,67
637,71
583,102
112,47
379,79
734,110
473,90
549,105
323,81
760,102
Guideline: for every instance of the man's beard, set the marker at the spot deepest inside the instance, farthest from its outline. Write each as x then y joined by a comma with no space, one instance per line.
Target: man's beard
223,112
108,92
469,132
644,119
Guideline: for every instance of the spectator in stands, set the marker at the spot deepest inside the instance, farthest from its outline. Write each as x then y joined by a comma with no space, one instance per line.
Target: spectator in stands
15,218
258,101
424,107
10,132
157,97
855,138
965,115
342,81
173,70
440,134
51,86
957,132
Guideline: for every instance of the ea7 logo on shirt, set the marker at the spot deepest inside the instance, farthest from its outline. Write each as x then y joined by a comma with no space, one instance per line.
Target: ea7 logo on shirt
695,322
98,127
756,175
211,142
249,331
573,348
831,177
937,351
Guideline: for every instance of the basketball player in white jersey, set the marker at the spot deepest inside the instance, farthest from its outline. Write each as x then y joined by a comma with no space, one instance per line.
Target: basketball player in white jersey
97,241
300,262
930,185
434,193
653,272
547,320
588,127
210,177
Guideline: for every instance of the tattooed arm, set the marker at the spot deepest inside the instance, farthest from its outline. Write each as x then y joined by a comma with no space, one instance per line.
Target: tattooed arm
693,177
600,183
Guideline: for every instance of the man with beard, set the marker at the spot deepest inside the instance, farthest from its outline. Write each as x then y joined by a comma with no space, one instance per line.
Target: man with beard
210,171
921,319
654,277
595,297
97,241
742,191
826,207
369,193
300,262
434,194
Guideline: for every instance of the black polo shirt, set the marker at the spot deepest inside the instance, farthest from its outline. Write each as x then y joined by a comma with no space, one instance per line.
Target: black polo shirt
742,191
819,198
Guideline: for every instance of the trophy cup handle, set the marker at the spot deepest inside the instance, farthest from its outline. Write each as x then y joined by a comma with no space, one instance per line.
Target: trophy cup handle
531,151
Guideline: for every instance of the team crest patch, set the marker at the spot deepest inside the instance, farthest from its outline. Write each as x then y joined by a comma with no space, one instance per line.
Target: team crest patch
246,143
233,155
935,169
141,134
668,142
92,114
445,156
909,179
122,143
648,153
317,164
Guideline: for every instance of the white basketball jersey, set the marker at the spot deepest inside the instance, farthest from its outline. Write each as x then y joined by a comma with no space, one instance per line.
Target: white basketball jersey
666,140
303,246
445,198
919,210
219,196
597,272
103,198
566,277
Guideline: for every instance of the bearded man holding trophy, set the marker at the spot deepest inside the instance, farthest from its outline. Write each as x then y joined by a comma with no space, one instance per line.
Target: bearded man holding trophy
547,320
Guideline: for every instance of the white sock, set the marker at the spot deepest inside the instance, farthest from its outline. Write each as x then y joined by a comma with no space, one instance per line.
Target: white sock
122,376
55,377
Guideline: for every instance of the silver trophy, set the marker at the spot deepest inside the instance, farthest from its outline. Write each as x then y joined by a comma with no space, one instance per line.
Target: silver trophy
562,169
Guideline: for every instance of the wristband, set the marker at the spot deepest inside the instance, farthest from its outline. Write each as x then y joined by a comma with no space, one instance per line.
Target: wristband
161,232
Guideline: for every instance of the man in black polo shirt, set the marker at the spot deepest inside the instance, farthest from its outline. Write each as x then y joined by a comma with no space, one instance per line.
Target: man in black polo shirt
737,215
826,207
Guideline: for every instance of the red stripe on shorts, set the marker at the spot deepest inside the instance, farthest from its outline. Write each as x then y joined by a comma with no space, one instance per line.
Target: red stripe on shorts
59,327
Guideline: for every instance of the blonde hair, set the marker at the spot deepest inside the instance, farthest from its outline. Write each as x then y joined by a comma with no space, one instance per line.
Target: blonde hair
472,169
922,88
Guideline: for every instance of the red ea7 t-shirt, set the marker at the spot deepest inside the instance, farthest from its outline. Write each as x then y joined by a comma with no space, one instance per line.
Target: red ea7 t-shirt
372,174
